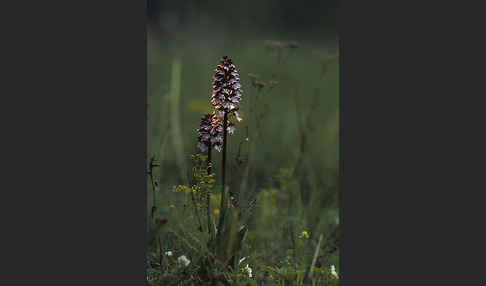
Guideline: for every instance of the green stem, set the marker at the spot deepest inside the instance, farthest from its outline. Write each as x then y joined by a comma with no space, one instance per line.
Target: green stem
208,195
196,211
223,193
175,94
225,134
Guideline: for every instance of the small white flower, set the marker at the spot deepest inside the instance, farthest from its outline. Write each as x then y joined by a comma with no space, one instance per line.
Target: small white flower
333,271
231,129
248,270
183,259
168,253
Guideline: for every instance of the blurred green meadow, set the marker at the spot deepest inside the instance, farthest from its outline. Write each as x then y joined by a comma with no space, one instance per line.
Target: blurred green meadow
293,177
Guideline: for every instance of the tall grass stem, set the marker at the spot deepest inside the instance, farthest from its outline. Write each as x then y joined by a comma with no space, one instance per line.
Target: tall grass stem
175,94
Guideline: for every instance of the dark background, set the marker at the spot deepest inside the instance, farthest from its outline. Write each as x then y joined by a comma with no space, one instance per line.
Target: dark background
306,17
72,199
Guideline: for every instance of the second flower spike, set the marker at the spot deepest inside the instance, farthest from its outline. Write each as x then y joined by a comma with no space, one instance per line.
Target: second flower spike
210,132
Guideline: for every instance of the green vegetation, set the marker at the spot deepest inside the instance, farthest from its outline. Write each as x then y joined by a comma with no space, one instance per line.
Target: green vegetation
282,164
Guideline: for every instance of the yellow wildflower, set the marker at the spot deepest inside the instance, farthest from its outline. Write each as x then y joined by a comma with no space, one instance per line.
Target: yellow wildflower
216,212
304,234
183,188
172,206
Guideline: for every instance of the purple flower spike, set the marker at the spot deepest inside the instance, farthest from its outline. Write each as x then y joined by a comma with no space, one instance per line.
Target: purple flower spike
226,93
210,132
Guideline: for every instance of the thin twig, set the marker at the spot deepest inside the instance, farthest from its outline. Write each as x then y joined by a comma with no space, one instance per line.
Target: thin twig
196,210
208,194
153,164
309,272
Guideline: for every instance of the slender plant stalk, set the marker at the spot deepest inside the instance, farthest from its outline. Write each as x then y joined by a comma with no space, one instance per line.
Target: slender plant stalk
246,172
225,98
309,272
175,94
208,195
223,171
255,137
196,211
154,207
151,174
209,159
252,145
225,144
160,255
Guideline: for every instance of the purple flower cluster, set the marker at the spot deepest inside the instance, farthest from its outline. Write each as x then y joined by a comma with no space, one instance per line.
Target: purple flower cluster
225,98
210,132
227,92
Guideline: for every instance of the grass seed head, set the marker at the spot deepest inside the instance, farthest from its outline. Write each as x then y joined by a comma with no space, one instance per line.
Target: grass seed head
273,45
258,84
273,83
252,76
292,45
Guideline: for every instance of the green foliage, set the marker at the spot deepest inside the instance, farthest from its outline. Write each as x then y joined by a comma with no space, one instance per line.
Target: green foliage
284,176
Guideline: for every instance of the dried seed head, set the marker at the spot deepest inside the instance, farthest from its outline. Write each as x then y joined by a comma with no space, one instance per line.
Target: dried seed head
268,46
161,220
273,83
226,93
273,45
292,45
258,84
252,76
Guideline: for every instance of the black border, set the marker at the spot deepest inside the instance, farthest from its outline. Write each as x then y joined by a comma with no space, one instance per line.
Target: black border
75,79
76,82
